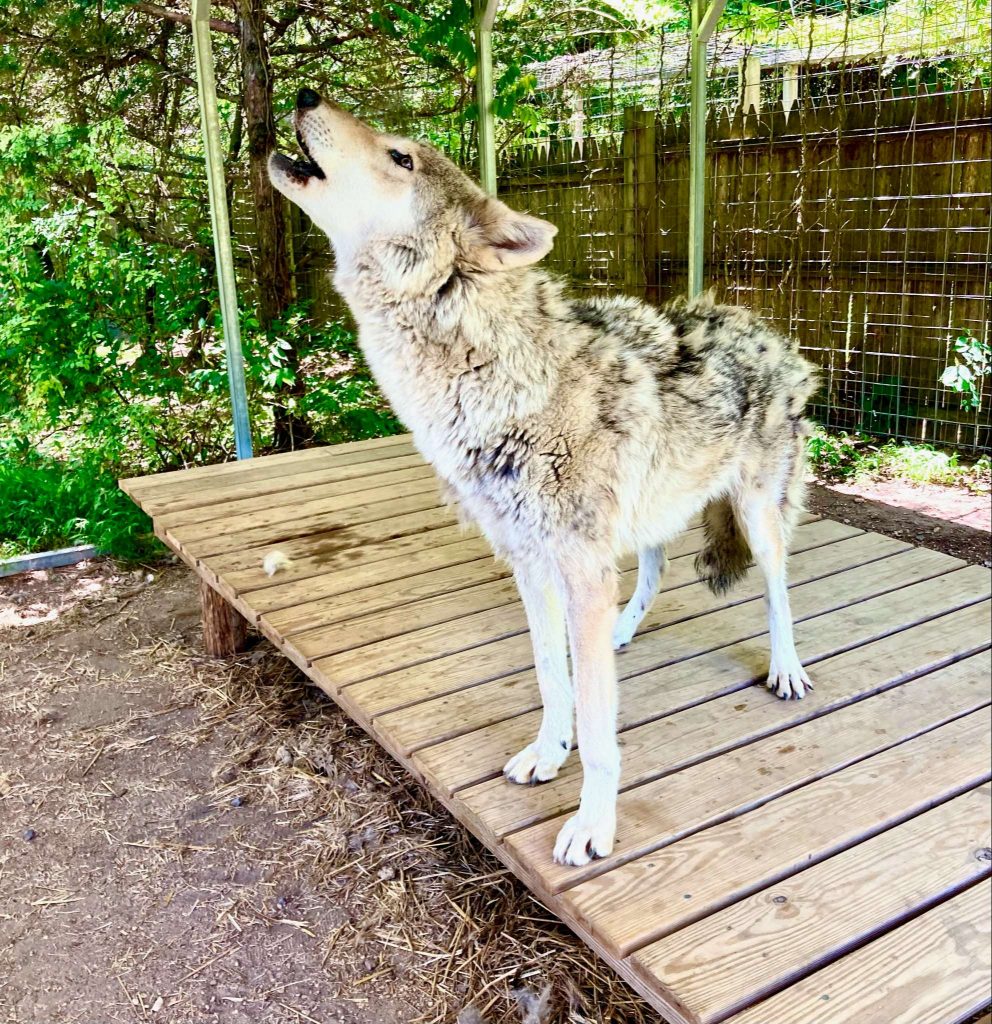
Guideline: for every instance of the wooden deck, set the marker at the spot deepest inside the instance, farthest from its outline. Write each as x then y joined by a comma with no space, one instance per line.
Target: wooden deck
816,862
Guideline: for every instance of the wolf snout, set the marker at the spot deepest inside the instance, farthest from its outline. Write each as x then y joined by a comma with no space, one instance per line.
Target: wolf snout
307,99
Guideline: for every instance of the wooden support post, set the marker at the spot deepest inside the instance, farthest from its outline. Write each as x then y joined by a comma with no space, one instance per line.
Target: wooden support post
790,88
633,280
224,629
646,173
751,85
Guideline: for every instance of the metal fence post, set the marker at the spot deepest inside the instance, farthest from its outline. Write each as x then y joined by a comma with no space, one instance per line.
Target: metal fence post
704,20
220,226
485,15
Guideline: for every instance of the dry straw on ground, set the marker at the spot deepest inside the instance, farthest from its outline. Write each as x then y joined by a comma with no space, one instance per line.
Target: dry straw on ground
219,840
471,935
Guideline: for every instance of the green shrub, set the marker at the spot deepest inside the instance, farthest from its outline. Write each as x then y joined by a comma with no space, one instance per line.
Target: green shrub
858,456
48,503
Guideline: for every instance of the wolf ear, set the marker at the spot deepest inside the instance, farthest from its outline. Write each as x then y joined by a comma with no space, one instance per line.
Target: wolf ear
499,238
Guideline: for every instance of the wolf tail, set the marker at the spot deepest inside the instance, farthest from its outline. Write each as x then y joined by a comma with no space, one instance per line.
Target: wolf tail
726,556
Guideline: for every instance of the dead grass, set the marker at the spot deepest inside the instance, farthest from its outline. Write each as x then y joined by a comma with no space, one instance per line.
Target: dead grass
469,933
348,865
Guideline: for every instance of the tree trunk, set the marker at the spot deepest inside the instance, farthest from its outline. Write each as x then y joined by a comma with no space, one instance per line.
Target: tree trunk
273,275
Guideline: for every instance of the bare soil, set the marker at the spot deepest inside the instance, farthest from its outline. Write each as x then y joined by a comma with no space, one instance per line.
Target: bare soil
948,519
187,840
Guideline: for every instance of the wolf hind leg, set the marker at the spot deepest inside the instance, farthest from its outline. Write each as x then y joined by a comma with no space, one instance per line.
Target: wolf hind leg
725,556
651,566
767,507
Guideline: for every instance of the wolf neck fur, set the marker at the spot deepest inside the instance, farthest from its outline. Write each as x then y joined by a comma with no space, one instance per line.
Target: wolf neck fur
458,357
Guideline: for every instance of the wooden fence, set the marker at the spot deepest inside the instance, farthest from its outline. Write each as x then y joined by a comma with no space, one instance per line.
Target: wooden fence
864,228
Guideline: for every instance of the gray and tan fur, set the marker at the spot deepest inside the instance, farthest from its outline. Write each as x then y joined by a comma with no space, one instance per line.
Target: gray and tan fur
571,430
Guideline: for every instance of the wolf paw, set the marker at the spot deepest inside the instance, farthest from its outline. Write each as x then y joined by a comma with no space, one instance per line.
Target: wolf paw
791,683
581,841
624,630
536,763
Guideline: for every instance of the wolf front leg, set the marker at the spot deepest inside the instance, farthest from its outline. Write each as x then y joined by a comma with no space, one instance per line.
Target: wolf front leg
591,612
539,761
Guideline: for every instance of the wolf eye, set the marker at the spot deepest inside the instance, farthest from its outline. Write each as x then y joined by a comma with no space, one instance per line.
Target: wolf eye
403,159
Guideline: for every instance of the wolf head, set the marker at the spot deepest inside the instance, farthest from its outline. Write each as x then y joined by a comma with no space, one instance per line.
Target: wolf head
401,200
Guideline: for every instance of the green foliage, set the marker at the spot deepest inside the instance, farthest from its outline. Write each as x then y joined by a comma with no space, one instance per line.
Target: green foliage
51,503
861,457
112,360
964,376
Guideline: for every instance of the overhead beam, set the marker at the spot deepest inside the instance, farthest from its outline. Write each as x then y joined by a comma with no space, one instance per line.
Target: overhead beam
206,87
704,19
485,16
708,21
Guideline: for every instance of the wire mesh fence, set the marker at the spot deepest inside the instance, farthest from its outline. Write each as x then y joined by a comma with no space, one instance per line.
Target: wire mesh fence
849,190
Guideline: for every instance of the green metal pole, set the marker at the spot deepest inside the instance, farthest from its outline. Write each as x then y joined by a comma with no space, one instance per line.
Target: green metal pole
704,20
217,192
697,153
485,15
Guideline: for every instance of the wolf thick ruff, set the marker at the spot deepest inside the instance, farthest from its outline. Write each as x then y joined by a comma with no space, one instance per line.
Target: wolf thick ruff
572,431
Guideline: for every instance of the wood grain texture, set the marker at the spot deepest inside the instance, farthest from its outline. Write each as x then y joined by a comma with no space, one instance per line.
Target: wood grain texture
653,694
935,969
847,801
477,626
676,741
224,629
356,491
280,464
259,480
697,622
655,895
739,955
239,530
661,812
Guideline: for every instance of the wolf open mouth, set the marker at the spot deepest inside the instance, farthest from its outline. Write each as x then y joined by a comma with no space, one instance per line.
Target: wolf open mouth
302,169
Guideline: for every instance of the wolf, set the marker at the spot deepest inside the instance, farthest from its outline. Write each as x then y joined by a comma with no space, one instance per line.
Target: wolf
572,430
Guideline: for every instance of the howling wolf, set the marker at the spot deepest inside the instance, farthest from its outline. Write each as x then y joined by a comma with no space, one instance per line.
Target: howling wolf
573,431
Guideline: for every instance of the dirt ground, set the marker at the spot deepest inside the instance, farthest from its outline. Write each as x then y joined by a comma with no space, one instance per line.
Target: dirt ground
186,840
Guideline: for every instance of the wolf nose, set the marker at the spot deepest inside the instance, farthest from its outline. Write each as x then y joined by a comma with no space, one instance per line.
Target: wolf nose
307,99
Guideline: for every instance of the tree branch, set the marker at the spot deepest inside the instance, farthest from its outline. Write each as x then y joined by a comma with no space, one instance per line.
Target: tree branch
156,10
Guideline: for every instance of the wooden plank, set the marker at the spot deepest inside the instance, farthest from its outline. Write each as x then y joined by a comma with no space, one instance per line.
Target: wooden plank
325,554
326,637
490,723
264,482
777,936
349,493
370,612
710,617
321,601
655,895
254,529
671,743
935,969
408,568
279,464
475,628
663,811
